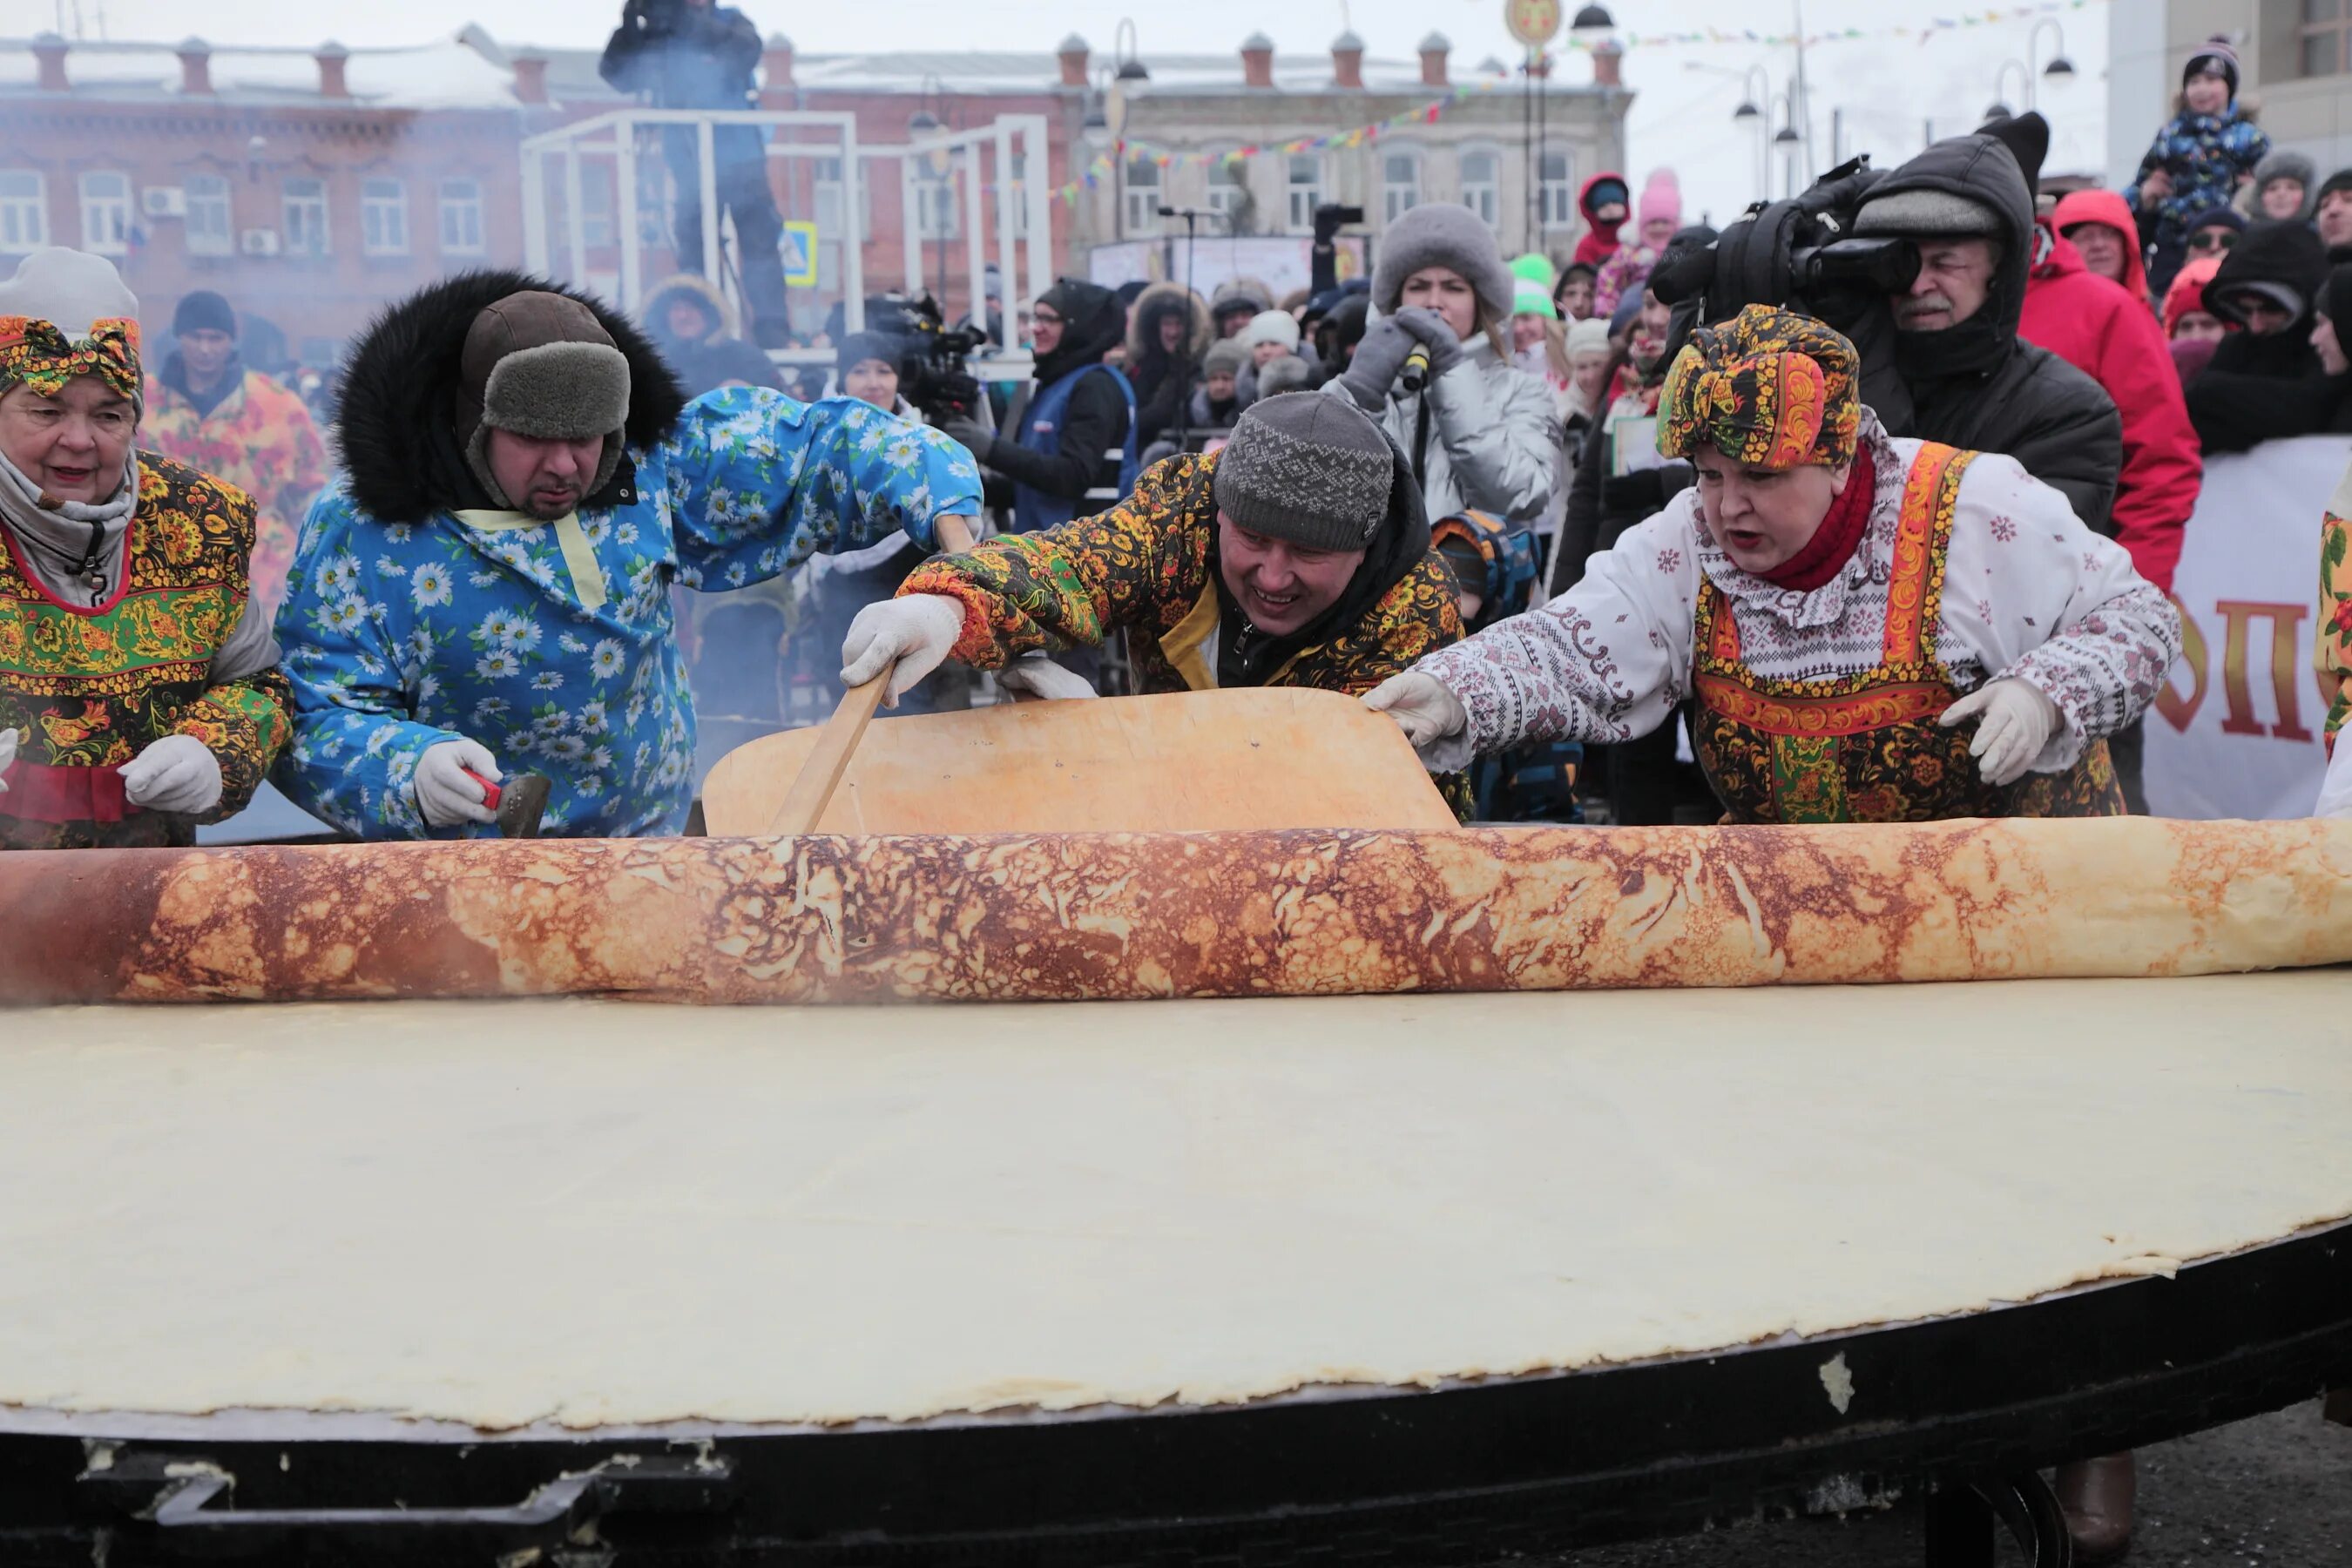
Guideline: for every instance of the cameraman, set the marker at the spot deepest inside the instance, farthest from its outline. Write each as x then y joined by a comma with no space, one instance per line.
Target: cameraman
1072,452
693,54
1967,203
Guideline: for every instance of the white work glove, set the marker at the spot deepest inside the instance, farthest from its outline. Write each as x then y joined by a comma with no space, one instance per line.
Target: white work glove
444,794
2336,790
1044,678
1425,708
177,774
2017,722
7,755
908,637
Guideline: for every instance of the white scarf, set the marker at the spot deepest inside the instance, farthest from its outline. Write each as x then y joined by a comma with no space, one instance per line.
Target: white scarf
79,552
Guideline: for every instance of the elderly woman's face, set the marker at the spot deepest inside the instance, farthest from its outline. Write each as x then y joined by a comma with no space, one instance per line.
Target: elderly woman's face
1763,517
73,444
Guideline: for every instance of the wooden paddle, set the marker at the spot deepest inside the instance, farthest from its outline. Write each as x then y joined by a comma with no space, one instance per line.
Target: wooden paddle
1253,757
820,774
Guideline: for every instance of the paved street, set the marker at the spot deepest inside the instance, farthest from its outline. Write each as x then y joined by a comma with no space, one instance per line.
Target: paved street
2274,1490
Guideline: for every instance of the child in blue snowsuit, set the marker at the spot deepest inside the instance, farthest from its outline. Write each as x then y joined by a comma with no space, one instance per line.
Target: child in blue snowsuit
2197,161
433,624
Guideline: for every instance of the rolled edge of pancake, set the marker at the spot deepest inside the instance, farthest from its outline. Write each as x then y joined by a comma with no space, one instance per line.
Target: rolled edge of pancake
1052,917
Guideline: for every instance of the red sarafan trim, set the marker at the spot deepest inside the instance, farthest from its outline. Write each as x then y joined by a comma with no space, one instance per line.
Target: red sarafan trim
39,792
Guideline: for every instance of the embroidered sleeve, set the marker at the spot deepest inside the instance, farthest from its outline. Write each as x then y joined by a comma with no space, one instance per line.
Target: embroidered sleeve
1141,564
2333,655
2056,606
1605,661
758,482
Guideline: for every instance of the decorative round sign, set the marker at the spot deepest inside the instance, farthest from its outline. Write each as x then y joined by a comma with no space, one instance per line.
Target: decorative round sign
1534,23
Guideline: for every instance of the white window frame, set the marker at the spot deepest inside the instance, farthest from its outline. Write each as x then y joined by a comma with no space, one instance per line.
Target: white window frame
1484,196
1396,200
1300,199
1143,199
463,218
209,196
105,212
939,203
1228,184
24,215
1555,199
307,215
384,216
828,190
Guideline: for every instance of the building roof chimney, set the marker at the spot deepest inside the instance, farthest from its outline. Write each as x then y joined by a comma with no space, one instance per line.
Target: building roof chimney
332,60
1257,60
50,50
1433,51
1072,53
1347,60
1608,63
776,63
530,77
195,65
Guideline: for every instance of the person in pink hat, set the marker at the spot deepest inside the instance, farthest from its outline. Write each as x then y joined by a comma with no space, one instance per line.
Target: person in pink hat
1660,213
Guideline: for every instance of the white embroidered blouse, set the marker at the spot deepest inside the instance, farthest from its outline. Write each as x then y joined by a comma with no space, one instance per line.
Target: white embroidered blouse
2028,592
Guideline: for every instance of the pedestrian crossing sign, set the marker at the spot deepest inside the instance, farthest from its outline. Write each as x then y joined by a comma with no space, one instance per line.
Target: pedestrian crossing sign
800,254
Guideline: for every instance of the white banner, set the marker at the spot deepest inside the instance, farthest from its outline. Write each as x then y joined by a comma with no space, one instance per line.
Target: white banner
2235,733
1280,262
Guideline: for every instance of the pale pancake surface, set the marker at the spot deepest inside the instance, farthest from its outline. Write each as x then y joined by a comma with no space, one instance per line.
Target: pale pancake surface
593,1213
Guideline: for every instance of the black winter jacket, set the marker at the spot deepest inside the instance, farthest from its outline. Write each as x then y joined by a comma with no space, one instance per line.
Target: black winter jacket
2269,388
1980,386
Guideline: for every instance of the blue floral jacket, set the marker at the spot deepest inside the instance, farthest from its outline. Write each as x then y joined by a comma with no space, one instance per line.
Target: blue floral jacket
2205,154
554,646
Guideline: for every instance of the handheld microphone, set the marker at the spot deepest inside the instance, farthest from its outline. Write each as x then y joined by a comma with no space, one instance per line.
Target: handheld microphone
1416,368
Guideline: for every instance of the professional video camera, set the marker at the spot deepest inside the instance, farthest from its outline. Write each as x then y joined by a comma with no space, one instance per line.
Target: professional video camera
1800,254
657,18
931,374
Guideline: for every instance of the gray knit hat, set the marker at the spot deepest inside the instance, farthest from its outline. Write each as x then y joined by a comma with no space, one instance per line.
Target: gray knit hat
1922,213
1311,469
1225,356
1440,234
2283,163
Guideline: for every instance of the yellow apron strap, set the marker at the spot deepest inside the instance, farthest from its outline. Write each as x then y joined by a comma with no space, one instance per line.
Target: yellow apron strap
1185,644
579,555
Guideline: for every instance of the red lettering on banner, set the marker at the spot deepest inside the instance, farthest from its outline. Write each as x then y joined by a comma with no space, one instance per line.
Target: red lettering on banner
2286,645
2176,709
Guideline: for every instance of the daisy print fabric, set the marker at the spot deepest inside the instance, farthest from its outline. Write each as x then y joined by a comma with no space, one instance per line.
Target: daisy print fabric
397,637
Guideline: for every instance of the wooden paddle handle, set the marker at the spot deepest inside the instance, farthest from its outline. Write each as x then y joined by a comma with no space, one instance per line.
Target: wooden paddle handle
955,533
812,787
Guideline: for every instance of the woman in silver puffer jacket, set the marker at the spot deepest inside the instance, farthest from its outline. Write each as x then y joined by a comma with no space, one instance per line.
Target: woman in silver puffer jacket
1481,433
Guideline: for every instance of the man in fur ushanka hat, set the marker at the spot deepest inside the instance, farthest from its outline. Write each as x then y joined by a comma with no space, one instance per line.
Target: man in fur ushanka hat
488,588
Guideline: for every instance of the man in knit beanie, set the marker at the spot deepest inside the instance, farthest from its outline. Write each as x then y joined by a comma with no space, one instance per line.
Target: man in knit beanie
1297,555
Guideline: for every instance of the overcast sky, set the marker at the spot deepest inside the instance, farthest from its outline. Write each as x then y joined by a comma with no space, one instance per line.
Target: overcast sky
1888,88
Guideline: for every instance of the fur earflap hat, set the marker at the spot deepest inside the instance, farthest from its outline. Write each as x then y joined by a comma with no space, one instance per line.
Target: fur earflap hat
1440,234
542,365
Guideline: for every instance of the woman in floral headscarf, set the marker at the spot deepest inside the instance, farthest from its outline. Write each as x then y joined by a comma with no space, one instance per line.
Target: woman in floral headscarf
136,696
1872,630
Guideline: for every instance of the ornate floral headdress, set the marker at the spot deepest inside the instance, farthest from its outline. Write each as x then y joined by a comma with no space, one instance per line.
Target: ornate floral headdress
1770,388
40,354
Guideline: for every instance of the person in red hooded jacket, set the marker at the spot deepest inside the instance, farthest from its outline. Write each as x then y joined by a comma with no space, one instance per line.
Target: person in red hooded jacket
2100,226
2108,332
1603,201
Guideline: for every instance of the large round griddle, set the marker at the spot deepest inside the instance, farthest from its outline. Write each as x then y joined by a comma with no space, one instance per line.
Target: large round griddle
1960,1402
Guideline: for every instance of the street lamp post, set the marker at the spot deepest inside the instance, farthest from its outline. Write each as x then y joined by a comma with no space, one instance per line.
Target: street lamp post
1756,83
1999,108
1790,144
2058,73
937,163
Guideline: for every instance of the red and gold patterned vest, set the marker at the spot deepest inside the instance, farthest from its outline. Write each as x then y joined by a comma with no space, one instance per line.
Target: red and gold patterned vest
87,691
1867,748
